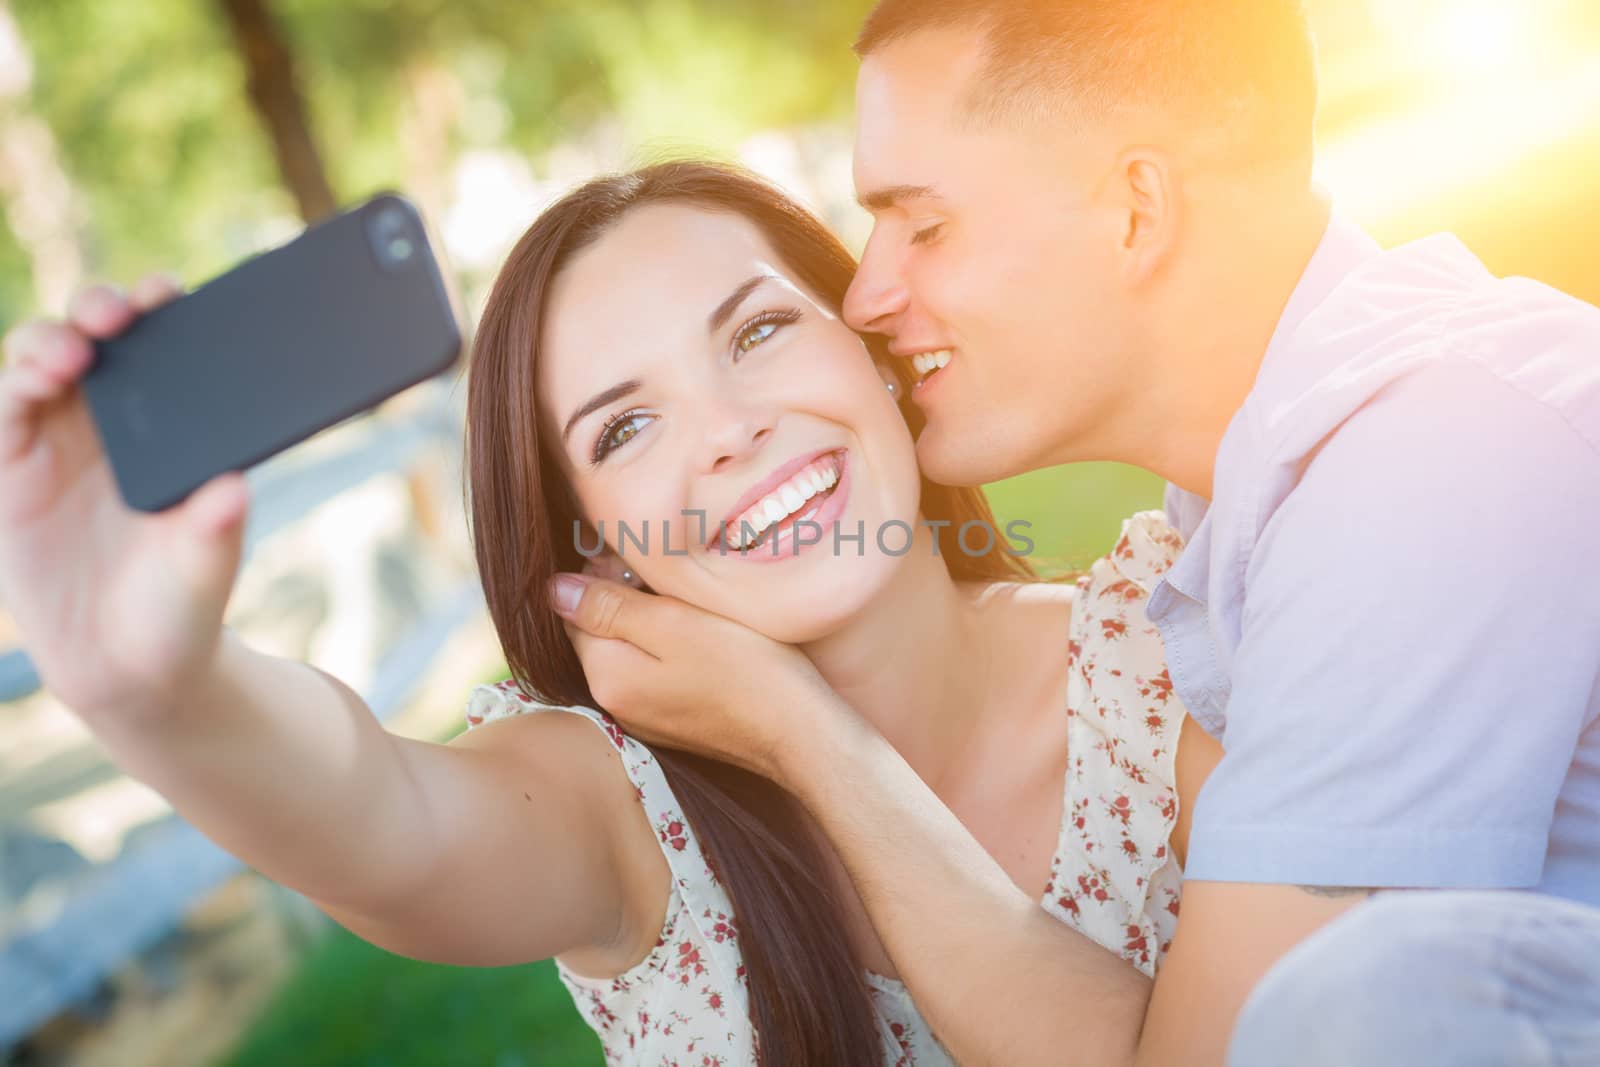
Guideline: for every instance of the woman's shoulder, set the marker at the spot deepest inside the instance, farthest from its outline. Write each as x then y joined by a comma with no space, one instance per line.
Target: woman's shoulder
1041,595
651,788
690,882
505,714
1146,549
1115,650
508,699
1117,879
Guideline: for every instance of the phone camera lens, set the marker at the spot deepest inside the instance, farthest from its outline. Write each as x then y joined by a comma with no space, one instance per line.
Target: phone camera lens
391,219
393,235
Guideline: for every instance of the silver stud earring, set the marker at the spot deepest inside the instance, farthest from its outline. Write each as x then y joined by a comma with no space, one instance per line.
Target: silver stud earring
894,389
627,575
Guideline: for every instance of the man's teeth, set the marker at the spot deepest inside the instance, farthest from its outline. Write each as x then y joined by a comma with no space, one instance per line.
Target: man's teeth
928,362
782,502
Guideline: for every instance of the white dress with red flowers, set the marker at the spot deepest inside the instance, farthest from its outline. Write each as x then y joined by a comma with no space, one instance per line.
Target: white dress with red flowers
1113,875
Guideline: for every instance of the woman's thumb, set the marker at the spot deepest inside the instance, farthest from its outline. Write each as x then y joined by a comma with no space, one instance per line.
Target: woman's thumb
217,506
214,517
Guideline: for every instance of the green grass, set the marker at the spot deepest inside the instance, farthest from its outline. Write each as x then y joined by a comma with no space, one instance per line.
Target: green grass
1076,512
353,1005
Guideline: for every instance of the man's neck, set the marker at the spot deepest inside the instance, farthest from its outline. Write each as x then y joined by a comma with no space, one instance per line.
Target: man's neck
1214,341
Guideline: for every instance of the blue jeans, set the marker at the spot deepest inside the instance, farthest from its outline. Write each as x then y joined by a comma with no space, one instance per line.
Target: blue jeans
1431,977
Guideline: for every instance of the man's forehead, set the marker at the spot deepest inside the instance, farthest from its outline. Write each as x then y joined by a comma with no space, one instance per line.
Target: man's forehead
909,96
923,75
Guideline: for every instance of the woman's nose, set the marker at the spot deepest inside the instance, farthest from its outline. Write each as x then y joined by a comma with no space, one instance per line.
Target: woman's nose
734,434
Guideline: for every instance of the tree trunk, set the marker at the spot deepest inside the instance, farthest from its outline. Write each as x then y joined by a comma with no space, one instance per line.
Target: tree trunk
276,99
40,203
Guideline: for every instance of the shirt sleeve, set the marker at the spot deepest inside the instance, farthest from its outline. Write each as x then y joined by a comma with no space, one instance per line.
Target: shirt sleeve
1419,648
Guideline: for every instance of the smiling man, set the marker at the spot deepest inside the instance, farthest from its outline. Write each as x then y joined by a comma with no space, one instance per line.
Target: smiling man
1097,238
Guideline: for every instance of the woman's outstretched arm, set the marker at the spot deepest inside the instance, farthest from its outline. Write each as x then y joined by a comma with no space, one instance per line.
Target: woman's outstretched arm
511,845
519,840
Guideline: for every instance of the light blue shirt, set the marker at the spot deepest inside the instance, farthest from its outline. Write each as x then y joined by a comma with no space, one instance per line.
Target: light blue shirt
1389,611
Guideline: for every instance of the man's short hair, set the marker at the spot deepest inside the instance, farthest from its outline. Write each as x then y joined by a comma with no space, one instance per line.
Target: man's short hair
1242,68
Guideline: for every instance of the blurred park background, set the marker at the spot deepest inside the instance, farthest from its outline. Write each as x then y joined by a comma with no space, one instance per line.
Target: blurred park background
188,134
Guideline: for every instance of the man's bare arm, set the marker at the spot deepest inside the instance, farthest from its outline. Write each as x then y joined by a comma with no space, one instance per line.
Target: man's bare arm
998,979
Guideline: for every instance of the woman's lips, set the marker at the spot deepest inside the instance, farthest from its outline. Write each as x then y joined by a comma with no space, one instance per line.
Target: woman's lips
783,540
781,495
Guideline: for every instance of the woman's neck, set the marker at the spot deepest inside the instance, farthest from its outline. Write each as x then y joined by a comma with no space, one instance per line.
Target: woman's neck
915,663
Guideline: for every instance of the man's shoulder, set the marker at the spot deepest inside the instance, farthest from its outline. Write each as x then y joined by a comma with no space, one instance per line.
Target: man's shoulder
1427,314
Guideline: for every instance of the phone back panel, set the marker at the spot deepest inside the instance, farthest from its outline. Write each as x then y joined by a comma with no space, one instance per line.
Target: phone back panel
282,346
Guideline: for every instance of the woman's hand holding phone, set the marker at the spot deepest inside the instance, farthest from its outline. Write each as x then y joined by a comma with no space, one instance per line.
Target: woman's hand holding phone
119,609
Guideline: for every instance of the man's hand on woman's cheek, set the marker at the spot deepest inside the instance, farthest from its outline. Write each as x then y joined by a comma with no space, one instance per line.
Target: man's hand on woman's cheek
676,675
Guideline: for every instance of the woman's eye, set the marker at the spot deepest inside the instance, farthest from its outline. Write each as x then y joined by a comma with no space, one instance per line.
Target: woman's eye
755,335
760,330
617,433
926,234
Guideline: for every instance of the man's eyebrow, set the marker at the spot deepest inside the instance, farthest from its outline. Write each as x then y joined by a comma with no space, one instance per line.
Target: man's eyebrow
888,197
598,401
720,314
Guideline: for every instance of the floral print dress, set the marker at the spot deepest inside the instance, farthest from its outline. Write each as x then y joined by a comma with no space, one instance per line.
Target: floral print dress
1113,876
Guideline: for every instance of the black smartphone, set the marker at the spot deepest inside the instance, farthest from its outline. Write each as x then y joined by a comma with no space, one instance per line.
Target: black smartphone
288,343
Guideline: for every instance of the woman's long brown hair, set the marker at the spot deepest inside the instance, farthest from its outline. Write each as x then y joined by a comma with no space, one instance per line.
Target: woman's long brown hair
809,1002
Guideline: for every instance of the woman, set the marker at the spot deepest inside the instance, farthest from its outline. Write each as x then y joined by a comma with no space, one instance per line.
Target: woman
661,351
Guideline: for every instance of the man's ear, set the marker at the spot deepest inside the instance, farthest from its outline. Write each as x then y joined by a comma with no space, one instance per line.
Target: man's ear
1147,186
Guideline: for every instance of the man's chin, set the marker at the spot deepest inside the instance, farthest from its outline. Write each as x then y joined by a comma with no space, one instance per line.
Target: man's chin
961,459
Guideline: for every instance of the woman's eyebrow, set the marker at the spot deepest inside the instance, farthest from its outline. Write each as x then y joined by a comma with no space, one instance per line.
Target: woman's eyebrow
717,319
598,401
721,313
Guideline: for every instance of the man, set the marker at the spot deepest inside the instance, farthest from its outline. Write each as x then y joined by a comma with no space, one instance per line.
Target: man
1387,468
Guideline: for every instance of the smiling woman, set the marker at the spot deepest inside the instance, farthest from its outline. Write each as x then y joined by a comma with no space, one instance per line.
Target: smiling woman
667,342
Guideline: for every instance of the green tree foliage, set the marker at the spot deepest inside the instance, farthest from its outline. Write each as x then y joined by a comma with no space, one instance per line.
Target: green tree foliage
148,101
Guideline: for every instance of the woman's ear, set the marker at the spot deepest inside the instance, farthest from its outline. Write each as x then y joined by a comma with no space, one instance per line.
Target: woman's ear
890,382
607,564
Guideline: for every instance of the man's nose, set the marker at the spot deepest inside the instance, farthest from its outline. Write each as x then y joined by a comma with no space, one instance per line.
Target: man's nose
878,292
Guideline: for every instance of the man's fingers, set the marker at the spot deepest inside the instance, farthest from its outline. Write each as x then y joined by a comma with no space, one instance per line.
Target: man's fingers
601,610
611,609
615,670
605,652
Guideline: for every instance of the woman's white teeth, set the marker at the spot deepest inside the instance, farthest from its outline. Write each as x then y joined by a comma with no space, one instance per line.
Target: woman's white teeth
783,502
928,362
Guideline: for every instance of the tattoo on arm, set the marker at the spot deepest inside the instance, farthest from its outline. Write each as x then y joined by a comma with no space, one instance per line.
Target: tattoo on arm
1338,890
